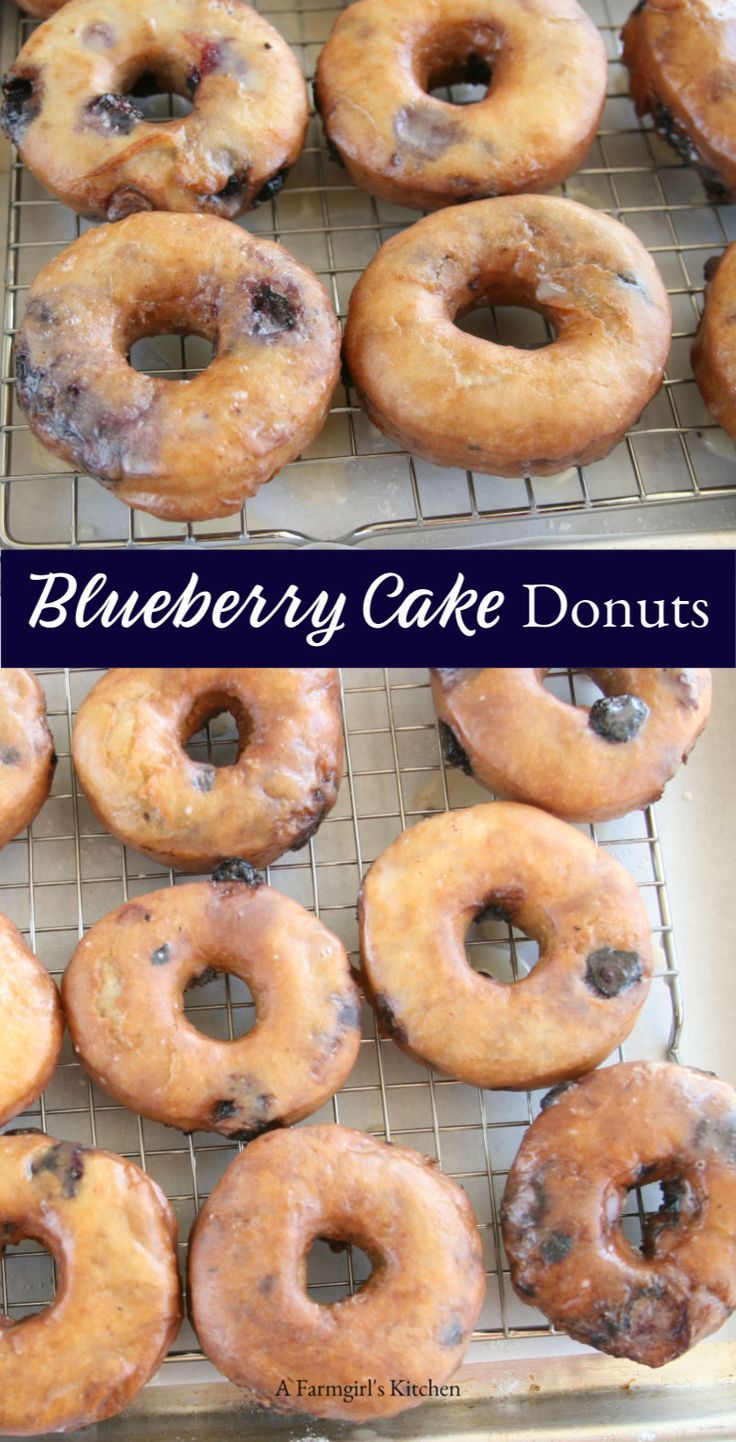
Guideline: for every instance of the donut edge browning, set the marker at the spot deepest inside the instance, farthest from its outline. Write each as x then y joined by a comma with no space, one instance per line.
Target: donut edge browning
41,766
55,1021
713,353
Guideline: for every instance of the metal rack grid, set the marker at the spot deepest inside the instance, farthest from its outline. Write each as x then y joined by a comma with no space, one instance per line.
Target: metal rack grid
674,472
67,872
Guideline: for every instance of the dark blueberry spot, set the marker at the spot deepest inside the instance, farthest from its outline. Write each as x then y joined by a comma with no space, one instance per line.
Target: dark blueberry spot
201,978
719,1135
117,113
452,750
388,1019
161,955
555,1247
236,869
39,310
525,1289
9,756
554,1094
21,104
271,188
320,807
347,1016
204,778
617,718
268,45
210,58
194,79
679,1205
98,36
452,1334
234,186
64,1161
272,311
646,1172
224,1109
610,972
476,71
267,1284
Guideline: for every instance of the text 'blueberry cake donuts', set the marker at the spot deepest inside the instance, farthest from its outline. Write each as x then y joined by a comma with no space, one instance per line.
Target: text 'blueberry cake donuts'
248,1251
682,71
182,449
457,400
31,1025
502,726
68,107
404,144
524,867
623,1127
124,999
27,755
117,1307
128,747
714,347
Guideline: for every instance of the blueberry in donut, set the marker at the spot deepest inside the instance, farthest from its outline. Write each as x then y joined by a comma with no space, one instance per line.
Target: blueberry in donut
623,1127
69,105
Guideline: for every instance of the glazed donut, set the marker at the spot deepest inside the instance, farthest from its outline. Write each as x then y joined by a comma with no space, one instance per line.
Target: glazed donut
582,763
128,747
27,755
181,449
248,1260
31,1024
69,110
624,1127
401,143
714,347
458,400
679,54
518,865
117,1306
123,994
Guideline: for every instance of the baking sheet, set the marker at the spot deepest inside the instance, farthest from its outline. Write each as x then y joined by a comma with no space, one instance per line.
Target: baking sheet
674,475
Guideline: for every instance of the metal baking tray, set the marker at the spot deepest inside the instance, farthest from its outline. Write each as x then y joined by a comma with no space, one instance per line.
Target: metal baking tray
673,476
67,871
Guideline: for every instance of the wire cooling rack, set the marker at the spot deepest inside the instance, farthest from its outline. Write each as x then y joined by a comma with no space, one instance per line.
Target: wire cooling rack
675,472
57,880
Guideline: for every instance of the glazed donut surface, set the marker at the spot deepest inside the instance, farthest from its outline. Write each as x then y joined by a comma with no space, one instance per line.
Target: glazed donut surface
458,400
519,865
247,1271
682,71
128,747
117,1306
27,756
401,143
182,449
69,110
31,1024
581,763
714,347
621,1127
124,997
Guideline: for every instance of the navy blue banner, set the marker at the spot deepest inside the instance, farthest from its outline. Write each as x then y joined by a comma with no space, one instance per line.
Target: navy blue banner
368,607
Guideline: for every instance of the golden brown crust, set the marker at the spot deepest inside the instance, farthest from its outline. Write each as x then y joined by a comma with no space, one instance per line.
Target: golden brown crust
124,998
522,742
581,999
247,1270
27,756
680,58
128,751
31,1024
714,347
68,107
117,1306
628,1126
458,400
401,143
180,449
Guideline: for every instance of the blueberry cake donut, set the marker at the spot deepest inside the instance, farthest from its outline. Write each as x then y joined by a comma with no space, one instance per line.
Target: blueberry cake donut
458,400
128,745
184,450
582,763
515,864
248,1262
627,1126
682,72
124,999
714,347
27,756
68,107
376,72
31,1025
117,1307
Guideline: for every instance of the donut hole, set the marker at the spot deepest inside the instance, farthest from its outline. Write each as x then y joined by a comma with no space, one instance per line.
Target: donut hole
336,1268
28,1281
496,949
663,1199
454,63
522,327
162,94
171,357
575,688
219,1004
215,733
